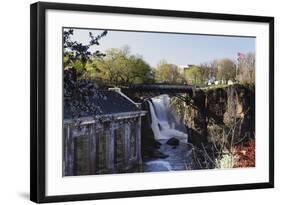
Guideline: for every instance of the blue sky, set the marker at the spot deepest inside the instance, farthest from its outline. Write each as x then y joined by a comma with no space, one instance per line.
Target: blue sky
179,49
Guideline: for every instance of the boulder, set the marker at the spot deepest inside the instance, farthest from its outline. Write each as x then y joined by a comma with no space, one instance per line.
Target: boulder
158,154
173,141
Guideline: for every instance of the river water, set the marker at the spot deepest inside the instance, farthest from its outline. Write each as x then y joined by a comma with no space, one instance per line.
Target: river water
178,157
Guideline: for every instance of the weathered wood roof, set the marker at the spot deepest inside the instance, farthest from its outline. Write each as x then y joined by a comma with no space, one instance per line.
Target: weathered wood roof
101,102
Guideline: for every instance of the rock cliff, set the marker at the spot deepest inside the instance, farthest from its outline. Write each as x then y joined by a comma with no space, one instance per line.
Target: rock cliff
221,114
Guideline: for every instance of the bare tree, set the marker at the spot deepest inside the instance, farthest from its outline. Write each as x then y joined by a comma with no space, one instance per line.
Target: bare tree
246,69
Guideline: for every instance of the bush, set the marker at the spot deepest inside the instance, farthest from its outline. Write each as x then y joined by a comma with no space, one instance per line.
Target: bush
245,154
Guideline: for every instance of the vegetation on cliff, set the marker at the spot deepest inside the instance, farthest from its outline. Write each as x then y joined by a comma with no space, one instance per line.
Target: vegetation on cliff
221,124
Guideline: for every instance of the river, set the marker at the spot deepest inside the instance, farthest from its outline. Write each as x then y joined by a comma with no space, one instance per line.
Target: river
179,156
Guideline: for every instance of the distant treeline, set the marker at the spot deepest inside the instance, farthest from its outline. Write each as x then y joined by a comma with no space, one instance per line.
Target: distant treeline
116,67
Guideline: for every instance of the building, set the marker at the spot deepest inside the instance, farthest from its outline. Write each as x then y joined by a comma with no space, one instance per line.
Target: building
105,139
182,68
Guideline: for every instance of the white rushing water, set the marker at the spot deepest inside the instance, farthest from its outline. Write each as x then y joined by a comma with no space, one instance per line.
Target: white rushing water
160,164
162,127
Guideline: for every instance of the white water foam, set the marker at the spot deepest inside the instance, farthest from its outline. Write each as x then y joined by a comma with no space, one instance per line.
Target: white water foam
162,163
160,124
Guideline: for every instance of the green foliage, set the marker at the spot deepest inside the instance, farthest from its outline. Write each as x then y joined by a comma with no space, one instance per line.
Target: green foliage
194,75
76,54
120,68
167,73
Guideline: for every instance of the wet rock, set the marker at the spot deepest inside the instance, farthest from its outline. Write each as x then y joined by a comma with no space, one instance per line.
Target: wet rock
151,152
148,143
156,144
158,154
173,141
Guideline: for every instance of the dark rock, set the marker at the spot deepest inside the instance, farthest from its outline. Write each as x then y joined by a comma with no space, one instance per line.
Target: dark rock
152,152
157,144
158,154
173,142
195,118
212,112
148,151
148,144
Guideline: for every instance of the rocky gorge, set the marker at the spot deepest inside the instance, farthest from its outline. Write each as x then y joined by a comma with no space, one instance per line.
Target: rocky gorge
216,118
221,114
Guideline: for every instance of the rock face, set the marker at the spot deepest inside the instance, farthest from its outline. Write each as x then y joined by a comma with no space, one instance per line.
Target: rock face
213,115
148,143
221,114
195,118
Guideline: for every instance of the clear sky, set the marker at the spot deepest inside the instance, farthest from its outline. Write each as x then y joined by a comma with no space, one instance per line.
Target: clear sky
179,49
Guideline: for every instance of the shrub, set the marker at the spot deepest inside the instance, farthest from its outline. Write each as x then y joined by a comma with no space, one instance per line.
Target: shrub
245,154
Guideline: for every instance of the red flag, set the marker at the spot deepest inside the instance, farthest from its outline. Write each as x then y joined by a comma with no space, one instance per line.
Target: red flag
241,56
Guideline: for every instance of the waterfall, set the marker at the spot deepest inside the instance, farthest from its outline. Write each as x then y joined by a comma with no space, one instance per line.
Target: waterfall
162,126
154,122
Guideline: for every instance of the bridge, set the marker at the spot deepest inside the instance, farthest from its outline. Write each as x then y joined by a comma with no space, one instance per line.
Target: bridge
165,88
139,92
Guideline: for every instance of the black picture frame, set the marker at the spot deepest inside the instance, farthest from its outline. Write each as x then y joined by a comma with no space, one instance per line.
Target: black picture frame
38,100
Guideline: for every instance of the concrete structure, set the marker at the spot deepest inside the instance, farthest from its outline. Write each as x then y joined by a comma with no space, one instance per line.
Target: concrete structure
105,141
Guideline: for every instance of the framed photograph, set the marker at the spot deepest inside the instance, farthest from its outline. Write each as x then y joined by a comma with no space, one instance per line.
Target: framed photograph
129,102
